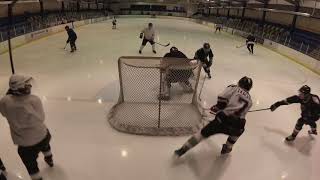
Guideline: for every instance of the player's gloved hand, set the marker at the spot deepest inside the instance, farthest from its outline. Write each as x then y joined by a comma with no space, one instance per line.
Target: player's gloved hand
274,106
141,35
214,109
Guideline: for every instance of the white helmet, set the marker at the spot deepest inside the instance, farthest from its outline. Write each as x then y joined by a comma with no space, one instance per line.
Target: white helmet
19,81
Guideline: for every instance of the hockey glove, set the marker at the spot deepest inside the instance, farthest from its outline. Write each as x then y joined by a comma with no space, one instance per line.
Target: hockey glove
141,35
214,109
274,106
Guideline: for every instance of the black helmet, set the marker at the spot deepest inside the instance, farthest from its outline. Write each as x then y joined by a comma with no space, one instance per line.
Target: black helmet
245,83
305,89
206,46
150,24
173,49
67,27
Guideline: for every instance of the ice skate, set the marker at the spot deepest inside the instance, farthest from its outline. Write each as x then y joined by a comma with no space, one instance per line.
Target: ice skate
209,75
225,149
290,138
2,176
313,132
155,52
49,161
180,152
140,52
164,97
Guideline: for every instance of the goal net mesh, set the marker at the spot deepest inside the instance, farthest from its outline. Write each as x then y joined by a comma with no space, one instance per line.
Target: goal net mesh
158,96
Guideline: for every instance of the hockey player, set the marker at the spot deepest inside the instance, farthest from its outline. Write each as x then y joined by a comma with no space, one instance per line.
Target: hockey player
218,27
25,116
148,35
310,110
250,42
202,55
72,37
231,109
2,171
175,53
114,23
173,76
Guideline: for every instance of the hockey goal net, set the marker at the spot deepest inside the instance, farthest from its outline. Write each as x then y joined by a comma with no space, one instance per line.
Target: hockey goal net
158,96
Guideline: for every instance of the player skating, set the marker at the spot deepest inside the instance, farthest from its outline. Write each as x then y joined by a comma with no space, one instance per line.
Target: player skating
180,76
231,108
310,110
202,54
148,35
218,27
2,171
72,37
251,40
114,23
25,116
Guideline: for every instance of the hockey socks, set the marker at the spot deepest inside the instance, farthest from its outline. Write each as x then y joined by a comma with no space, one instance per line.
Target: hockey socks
313,131
227,147
193,141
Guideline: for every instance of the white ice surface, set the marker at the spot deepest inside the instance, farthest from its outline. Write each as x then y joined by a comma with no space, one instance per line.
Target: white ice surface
86,147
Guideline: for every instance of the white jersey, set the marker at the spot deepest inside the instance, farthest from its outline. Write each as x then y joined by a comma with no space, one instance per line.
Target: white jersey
149,34
238,101
25,116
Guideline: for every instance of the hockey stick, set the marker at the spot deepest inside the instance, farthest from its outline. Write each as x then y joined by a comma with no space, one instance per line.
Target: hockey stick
199,97
163,44
65,46
259,110
240,46
208,109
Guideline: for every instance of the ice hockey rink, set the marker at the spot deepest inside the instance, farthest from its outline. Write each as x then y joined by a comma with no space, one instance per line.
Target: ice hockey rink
78,90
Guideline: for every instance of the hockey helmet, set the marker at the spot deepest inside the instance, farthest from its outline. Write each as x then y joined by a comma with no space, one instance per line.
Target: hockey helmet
17,82
67,27
305,89
206,46
173,49
245,83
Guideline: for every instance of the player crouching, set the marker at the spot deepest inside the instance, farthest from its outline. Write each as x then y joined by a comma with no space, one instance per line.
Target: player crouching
231,108
72,37
176,75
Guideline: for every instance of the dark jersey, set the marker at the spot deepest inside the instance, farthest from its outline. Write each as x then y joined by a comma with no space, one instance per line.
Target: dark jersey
178,75
310,107
202,55
176,54
251,38
71,35
114,22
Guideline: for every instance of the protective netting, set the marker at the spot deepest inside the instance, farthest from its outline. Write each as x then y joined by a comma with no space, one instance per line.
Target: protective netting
158,96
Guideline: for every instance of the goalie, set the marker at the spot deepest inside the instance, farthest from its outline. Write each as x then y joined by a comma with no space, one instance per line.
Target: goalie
177,70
